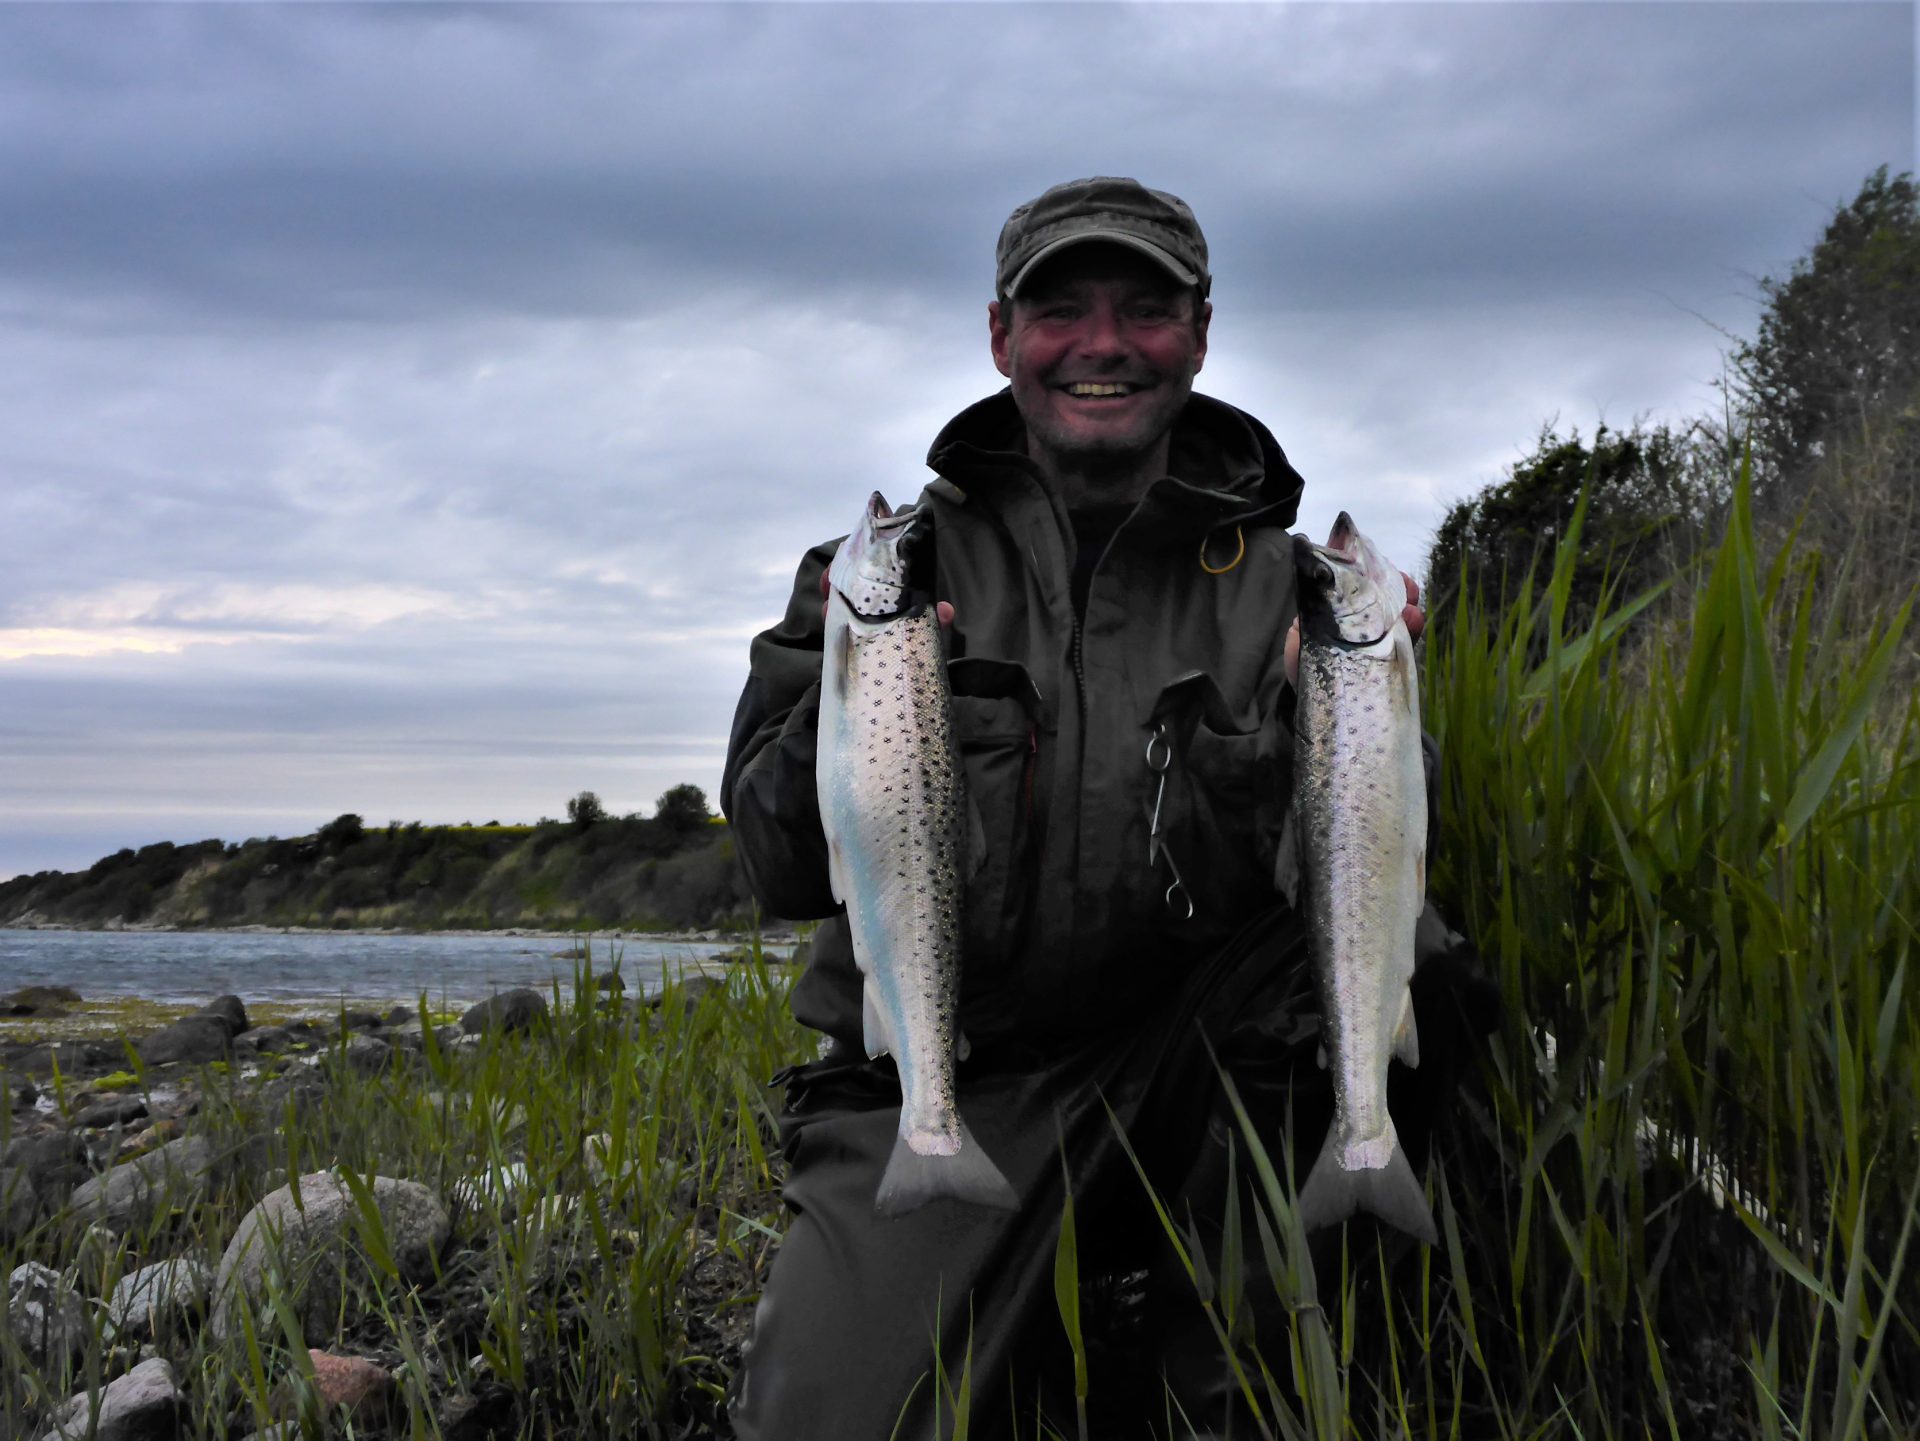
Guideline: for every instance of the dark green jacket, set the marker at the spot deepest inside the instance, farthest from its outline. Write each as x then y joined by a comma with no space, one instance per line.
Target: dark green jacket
1068,928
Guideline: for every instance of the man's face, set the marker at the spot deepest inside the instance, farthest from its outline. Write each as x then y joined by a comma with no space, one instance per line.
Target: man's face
1101,347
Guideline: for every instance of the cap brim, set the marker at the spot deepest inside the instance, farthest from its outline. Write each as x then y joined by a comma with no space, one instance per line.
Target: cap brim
1118,237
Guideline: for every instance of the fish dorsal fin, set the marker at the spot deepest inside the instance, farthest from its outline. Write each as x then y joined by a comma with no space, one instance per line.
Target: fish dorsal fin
1406,1036
873,1024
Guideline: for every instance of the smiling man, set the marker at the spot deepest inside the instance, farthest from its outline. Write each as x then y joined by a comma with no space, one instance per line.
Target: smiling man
1112,560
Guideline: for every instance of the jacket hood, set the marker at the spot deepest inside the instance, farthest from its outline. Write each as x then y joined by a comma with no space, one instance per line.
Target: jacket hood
1210,439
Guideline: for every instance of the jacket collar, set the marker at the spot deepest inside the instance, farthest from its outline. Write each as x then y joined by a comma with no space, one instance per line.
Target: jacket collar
1226,467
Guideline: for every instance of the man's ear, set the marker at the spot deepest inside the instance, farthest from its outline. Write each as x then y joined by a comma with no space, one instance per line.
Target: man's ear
1206,319
997,337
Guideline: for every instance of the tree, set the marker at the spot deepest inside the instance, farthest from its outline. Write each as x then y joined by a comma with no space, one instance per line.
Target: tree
340,832
1649,497
684,808
1839,338
585,810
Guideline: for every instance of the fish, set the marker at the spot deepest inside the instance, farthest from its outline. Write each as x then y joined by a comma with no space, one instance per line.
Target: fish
1360,813
893,804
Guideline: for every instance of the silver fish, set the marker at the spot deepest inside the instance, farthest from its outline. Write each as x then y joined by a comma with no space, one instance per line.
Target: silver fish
894,807
1360,800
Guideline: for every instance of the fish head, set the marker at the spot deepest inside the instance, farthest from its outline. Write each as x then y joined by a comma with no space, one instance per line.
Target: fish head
1350,594
870,570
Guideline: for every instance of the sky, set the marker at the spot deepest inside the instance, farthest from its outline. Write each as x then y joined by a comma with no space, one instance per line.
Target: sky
415,410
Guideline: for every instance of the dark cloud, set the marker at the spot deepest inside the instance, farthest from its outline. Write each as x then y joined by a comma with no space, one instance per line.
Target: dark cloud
413,409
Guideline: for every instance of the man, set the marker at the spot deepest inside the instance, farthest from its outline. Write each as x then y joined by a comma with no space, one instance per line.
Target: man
1113,563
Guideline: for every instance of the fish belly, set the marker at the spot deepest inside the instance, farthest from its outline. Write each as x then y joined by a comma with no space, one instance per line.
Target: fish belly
1361,793
893,805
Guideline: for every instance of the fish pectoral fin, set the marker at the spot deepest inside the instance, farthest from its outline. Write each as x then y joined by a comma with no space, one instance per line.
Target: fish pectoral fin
962,1047
1286,860
875,1032
1406,1035
837,871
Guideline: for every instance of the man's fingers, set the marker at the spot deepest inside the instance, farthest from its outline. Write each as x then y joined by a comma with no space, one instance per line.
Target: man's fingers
1416,617
944,609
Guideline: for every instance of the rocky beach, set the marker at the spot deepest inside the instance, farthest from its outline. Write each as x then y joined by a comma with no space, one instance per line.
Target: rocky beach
502,1221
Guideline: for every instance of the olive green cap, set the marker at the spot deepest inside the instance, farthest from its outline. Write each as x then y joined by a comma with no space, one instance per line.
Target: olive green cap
1103,207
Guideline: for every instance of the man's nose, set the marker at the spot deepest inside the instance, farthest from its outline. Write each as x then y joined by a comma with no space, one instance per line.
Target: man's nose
1101,333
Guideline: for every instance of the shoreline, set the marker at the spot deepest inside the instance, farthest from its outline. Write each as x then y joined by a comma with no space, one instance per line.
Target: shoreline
784,936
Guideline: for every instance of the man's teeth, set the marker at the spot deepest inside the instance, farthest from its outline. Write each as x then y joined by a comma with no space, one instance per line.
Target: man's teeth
1087,388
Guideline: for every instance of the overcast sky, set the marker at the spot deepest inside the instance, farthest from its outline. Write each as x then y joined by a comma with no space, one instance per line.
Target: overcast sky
414,410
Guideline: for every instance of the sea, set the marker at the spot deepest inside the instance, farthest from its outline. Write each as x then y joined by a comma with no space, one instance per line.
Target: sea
325,969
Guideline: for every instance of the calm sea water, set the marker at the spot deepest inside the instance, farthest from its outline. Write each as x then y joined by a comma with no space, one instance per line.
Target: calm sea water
195,966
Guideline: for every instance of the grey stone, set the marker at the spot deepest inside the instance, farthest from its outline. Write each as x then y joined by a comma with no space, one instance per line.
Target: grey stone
229,1010
71,1058
195,1040
144,1299
19,1202
144,1405
312,1242
263,1041
38,1001
58,1161
111,1111
507,1011
132,1193
400,1015
361,1021
368,1055
48,1321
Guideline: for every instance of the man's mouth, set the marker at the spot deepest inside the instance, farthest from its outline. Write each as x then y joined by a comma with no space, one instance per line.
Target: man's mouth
1099,389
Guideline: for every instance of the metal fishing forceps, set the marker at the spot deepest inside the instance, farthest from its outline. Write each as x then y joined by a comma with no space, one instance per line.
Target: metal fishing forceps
1178,898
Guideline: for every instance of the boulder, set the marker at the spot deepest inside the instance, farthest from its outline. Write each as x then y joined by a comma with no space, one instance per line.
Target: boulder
19,1201
507,1011
144,1405
361,1021
144,1300
58,1161
70,1058
111,1111
400,1015
133,1192
264,1041
48,1320
196,1040
368,1055
366,1390
38,1000
310,1241
229,1010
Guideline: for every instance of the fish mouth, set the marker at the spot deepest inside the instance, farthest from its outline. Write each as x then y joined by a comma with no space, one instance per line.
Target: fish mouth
886,520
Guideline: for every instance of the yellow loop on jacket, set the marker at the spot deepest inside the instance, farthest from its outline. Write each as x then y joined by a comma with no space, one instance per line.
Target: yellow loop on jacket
1238,555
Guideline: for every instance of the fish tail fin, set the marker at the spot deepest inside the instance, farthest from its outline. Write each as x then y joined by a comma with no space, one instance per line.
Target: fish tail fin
1391,1192
911,1179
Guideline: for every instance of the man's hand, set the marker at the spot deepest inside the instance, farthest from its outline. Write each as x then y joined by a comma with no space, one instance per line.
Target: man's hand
941,608
1415,618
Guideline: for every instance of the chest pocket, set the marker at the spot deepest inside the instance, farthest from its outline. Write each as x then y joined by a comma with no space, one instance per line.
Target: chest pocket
1220,815
998,721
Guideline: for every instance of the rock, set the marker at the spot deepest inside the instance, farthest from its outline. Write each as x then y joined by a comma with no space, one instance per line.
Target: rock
368,1055
70,1058
195,1040
507,1011
612,981
19,1202
152,1138
38,1001
48,1321
264,1041
366,1390
400,1015
502,1185
143,1405
689,990
58,1162
316,1238
361,1021
143,1301
132,1193
228,1010
111,1111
